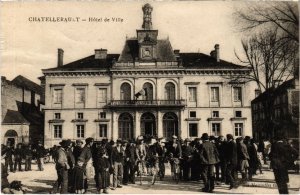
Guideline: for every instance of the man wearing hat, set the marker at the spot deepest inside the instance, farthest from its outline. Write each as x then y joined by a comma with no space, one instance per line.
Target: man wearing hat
62,167
186,159
161,150
209,157
231,161
175,149
77,150
8,157
40,152
243,158
280,155
130,158
86,153
71,162
86,157
117,161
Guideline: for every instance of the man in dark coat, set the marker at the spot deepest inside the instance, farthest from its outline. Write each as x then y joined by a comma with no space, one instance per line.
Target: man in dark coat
161,150
175,147
196,167
40,153
186,159
19,155
117,161
243,158
129,165
253,161
279,155
86,155
221,146
71,162
8,157
77,150
231,161
209,157
28,157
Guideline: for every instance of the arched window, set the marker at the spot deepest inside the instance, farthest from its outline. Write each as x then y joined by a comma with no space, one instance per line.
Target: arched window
148,87
170,91
170,125
125,126
125,91
148,124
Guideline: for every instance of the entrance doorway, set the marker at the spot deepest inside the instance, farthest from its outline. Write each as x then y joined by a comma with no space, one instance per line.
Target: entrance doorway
125,126
170,125
11,136
148,124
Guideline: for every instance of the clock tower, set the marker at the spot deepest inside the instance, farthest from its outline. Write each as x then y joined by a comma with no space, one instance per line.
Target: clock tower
147,38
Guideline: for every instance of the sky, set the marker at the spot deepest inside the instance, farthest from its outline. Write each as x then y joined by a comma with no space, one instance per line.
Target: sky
27,47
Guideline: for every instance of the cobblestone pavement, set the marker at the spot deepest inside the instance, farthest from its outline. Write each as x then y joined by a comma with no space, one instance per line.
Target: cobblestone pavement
42,181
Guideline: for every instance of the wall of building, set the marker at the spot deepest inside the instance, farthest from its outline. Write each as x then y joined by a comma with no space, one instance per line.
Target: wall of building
203,106
12,97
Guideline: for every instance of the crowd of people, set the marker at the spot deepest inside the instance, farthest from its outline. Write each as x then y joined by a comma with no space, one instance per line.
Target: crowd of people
112,164
15,156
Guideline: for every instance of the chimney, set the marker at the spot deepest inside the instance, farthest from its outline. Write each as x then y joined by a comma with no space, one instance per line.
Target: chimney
100,53
213,53
60,57
217,52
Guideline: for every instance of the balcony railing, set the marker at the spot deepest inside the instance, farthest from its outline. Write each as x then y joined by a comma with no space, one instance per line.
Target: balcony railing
147,103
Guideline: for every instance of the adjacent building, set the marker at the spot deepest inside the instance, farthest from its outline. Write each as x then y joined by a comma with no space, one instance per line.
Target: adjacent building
21,118
147,89
277,111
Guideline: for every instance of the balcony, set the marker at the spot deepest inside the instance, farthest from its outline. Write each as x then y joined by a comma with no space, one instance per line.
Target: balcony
146,103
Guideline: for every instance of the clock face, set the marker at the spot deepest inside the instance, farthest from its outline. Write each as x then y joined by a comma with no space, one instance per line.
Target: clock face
146,53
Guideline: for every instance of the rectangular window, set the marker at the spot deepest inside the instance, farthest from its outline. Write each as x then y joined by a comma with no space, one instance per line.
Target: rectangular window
238,129
57,115
57,96
238,113
215,94
80,95
102,130
215,114
79,115
80,131
193,114
57,131
192,94
193,130
237,94
102,114
102,95
216,129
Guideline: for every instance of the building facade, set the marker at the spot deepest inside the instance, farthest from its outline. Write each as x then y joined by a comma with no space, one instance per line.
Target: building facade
148,89
277,111
22,120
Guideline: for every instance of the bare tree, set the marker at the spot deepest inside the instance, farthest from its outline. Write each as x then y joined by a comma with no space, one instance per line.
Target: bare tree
283,16
268,59
271,52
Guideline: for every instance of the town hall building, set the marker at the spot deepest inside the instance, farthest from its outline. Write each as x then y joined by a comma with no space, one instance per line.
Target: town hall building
147,89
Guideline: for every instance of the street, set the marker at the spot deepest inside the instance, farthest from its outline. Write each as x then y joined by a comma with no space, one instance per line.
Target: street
41,182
